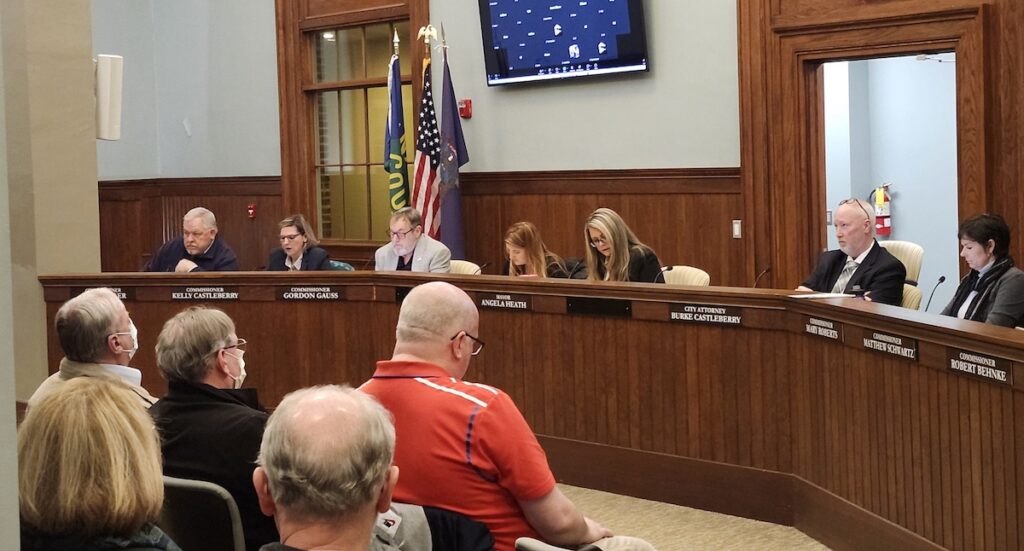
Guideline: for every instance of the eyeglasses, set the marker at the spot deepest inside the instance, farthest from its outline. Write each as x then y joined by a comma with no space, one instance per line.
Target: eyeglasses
858,203
599,241
399,234
240,345
291,237
478,344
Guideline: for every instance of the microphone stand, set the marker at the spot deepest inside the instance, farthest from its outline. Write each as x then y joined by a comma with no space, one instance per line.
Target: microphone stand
942,279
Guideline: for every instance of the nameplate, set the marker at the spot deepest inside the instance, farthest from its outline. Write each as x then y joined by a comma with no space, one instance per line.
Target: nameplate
987,367
204,293
599,306
123,293
826,329
710,314
314,293
504,301
886,343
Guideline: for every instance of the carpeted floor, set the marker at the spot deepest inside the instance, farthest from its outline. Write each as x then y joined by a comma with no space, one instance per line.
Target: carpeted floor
674,528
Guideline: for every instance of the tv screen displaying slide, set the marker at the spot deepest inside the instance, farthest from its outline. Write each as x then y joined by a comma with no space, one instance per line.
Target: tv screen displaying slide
531,40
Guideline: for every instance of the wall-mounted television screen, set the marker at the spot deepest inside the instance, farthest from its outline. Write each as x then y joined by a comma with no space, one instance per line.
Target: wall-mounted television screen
531,40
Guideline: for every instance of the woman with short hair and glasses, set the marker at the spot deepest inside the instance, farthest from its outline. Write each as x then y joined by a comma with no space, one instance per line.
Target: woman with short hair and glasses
299,250
211,427
614,253
993,291
527,256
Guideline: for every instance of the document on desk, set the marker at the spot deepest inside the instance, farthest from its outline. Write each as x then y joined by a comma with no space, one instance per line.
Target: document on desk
823,295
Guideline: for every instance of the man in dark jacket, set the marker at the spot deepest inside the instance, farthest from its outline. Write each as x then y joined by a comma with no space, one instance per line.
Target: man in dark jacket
210,427
197,250
860,266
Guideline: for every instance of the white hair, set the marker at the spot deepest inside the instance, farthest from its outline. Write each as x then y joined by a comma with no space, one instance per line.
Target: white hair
209,220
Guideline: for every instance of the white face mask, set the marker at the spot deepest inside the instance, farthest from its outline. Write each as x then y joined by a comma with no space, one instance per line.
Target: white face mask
133,332
241,372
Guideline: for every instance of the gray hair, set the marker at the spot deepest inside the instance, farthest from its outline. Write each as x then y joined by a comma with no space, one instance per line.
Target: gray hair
433,310
324,458
407,213
209,220
84,323
863,207
188,341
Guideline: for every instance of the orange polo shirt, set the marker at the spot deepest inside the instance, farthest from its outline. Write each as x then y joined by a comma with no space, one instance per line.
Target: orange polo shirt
462,446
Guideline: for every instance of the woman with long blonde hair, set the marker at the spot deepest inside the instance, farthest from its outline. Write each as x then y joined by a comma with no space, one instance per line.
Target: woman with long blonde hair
614,253
89,475
526,254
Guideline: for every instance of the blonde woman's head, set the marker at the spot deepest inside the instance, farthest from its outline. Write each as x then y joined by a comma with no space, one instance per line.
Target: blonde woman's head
89,461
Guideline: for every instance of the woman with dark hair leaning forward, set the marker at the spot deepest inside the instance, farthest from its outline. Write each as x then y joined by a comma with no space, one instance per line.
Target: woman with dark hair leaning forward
993,292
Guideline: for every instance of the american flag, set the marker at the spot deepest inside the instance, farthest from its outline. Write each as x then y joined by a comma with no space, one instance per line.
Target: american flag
427,183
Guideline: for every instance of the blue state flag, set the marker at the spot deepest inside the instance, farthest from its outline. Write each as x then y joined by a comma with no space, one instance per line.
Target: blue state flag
453,156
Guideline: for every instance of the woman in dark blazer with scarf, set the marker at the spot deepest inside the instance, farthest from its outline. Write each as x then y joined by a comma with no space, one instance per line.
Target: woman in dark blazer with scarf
993,292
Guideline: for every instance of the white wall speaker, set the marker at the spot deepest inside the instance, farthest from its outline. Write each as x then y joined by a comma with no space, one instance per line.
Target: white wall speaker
109,75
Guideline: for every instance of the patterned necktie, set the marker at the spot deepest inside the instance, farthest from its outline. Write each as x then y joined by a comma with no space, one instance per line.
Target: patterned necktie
844,276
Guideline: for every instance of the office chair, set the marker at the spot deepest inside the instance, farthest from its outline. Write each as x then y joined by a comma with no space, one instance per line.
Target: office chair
200,516
530,544
686,275
337,265
464,267
911,297
910,254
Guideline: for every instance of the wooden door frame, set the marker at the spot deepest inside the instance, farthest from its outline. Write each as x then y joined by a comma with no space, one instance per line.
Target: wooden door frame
782,128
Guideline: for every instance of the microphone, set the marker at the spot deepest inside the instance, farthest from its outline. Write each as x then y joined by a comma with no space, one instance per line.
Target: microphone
942,279
367,263
481,268
762,274
661,273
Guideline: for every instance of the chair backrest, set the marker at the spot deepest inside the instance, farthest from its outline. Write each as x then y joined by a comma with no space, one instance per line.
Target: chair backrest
911,297
910,254
200,516
687,275
465,267
340,266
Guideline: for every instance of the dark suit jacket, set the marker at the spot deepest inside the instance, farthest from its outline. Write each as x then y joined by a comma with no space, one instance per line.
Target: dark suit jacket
214,435
314,258
880,273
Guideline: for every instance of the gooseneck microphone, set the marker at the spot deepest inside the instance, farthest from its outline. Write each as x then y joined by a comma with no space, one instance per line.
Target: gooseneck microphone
576,269
480,270
762,274
367,263
661,273
942,279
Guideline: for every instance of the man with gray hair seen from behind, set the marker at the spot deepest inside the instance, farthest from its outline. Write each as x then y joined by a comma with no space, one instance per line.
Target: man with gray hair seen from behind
197,250
325,469
465,446
99,340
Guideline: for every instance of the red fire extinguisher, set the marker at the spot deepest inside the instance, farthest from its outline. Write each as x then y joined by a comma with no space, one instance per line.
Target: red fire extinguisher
883,219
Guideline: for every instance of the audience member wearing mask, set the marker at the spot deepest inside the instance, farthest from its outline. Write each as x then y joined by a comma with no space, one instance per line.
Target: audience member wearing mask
99,339
210,427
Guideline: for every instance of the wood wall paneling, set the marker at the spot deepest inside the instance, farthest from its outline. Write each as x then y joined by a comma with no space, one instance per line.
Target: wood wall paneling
138,216
685,215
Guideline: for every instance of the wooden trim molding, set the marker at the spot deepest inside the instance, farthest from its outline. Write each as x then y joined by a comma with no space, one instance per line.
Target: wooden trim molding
759,494
130,190
609,182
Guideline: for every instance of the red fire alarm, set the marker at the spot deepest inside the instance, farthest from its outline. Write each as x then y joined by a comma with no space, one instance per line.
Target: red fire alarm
251,208
466,108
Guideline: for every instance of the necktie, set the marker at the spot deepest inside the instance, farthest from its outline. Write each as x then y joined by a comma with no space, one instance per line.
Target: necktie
844,276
